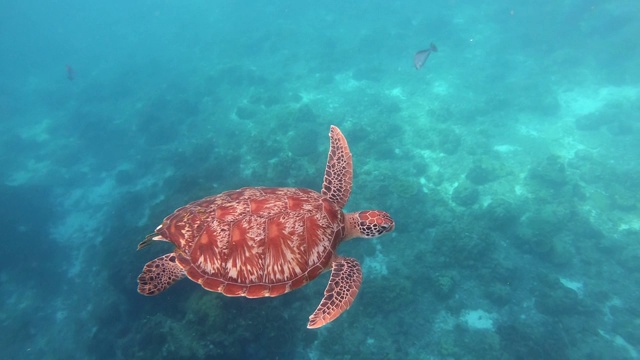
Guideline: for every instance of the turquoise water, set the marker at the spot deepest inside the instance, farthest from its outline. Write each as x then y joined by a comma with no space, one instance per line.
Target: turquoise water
509,162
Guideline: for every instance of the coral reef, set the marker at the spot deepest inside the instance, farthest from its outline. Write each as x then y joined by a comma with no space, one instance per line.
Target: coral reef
550,173
443,284
448,140
465,194
463,249
501,214
591,121
553,298
405,187
245,112
211,325
522,340
513,183
484,171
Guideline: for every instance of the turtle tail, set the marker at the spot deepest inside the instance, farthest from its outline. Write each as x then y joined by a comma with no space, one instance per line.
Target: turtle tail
147,240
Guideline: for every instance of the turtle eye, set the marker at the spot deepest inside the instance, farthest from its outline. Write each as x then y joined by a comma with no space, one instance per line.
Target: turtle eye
386,227
383,228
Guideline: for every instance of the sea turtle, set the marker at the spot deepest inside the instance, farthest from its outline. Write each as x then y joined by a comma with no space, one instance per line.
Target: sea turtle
260,241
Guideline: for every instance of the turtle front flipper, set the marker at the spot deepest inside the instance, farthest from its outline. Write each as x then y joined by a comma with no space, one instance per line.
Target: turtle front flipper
159,274
338,175
346,277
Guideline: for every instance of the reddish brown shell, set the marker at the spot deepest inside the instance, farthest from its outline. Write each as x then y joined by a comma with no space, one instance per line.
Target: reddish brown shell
255,241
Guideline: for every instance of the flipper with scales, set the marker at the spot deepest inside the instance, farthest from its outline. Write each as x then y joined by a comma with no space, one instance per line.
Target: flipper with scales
159,274
338,175
345,281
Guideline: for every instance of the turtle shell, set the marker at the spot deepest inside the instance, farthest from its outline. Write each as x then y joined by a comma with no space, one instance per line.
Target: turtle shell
255,241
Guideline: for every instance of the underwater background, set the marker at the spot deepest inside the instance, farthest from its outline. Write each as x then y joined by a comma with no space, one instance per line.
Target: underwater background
509,163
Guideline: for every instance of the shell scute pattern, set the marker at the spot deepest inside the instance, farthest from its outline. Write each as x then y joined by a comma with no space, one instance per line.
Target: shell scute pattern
245,258
208,250
231,211
244,193
182,227
266,240
286,254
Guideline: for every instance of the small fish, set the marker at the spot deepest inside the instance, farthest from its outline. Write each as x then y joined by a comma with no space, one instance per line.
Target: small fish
421,56
70,73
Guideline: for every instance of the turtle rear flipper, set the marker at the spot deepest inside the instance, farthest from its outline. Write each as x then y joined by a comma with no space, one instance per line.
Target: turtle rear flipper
346,277
159,274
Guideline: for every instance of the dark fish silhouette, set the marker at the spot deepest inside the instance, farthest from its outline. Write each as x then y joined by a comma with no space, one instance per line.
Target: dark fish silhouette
421,56
70,73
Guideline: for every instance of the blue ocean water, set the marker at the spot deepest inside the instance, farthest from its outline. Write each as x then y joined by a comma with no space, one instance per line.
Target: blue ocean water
509,162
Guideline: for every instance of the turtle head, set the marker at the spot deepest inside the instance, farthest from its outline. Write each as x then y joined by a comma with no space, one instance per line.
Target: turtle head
368,224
